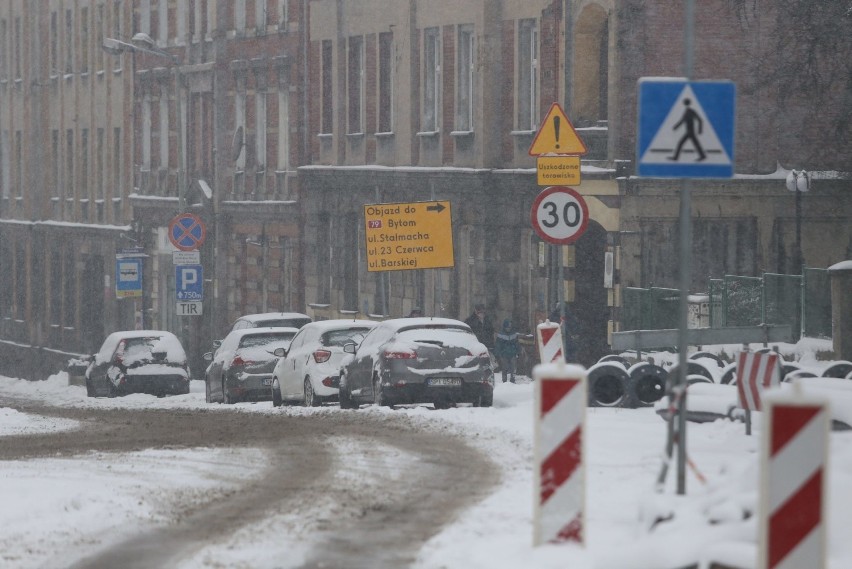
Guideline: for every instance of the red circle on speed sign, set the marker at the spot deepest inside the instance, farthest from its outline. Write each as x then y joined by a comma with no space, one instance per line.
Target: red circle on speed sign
559,215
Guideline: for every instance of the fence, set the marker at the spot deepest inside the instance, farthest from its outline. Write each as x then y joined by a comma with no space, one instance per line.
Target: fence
802,301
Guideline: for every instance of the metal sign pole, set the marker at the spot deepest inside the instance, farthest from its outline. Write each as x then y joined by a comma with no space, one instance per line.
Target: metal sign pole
685,273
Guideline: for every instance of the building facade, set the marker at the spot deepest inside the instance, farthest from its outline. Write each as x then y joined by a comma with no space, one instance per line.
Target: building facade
278,121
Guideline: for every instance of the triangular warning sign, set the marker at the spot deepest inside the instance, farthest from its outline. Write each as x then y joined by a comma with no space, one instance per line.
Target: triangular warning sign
556,135
686,136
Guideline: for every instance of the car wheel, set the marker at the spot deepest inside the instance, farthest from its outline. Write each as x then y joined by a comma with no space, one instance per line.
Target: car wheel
379,397
276,394
311,399
226,397
345,397
90,389
207,396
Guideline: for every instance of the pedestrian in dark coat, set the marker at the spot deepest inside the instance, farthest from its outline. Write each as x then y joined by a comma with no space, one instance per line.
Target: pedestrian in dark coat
506,349
481,325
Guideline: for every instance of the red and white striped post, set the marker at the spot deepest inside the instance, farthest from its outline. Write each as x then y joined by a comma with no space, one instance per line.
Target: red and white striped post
755,373
549,342
793,483
559,450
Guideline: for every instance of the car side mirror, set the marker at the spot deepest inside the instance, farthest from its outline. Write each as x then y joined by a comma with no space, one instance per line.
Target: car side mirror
349,347
280,352
208,357
217,343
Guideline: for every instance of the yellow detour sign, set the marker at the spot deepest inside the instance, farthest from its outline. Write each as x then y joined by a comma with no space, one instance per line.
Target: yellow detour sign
558,170
556,135
403,236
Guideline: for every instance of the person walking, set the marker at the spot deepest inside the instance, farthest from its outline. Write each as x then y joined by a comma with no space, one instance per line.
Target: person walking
481,326
506,349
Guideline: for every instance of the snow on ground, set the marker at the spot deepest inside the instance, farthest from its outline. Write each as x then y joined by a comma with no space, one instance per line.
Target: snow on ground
60,503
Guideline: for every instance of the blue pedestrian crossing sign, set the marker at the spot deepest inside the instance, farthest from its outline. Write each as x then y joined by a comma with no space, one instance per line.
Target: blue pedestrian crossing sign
685,128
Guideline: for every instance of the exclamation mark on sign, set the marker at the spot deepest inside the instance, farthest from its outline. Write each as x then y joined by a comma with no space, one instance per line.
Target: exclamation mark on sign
556,121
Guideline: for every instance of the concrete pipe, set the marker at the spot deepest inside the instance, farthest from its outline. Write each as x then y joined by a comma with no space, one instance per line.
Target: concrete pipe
608,385
839,370
647,384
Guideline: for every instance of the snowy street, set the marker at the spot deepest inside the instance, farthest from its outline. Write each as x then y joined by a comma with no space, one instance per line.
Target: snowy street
64,509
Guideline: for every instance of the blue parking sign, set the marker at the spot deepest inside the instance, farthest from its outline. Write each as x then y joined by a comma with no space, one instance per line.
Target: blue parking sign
189,282
685,128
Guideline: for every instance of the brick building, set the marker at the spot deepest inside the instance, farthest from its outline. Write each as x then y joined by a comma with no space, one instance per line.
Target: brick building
277,121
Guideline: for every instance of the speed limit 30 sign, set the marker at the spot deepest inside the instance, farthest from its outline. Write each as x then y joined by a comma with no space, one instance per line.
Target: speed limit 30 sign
559,215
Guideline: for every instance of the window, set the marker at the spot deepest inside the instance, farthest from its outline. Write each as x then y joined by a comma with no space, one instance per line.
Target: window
164,128
18,46
99,38
53,315
84,172
117,169
385,82
84,40
99,173
68,291
68,186
55,172
283,127
240,16
240,127
3,49
146,133
324,258
260,15
283,14
180,25
116,30
431,79
19,163
163,23
527,75
54,45
327,93
465,66
5,182
145,16
20,280
69,41
260,131
355,85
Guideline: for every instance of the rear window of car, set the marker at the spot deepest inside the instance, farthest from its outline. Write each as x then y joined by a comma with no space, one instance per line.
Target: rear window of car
257,340
447,336
341,337
282,323
142,349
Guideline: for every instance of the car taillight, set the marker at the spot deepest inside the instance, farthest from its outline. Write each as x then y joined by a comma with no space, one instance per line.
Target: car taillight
399,355
321,356
239,361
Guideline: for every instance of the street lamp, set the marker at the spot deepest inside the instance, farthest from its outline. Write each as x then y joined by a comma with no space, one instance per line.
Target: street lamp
144,44
798,181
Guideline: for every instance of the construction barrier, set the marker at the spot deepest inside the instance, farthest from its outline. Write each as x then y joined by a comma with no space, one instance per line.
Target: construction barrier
549,335
756,372
559,451
793,483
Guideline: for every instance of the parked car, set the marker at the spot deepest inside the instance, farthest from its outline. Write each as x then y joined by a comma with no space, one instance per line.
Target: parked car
271,320
417,360
310,372
241,368
138,361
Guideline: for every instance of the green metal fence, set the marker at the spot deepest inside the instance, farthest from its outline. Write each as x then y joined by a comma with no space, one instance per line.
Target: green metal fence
802,301
816,303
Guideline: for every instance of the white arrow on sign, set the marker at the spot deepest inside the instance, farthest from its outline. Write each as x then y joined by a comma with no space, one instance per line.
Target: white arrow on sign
559,215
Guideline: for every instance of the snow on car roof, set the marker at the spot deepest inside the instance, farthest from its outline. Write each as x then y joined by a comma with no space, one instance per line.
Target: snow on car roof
340,324
400,323
271,315
260,331
173,346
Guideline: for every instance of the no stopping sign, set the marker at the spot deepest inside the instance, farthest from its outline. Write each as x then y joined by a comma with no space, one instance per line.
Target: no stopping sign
559,215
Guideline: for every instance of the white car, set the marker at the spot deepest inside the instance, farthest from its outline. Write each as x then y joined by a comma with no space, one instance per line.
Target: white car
309,371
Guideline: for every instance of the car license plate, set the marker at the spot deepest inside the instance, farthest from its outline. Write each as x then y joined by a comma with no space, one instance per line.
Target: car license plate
444,382
267,381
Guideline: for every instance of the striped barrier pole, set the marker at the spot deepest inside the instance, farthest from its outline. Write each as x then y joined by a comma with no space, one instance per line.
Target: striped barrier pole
549,336
755,373
793,483
559,450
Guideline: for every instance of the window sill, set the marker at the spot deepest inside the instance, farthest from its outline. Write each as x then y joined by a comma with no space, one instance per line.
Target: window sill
461,133
384,134
522,132
428,133
354,135
325,135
